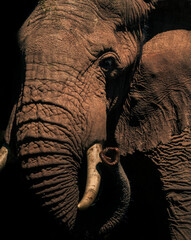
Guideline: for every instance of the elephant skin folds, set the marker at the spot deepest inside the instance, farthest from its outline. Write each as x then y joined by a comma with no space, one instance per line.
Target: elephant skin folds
175,169
159,121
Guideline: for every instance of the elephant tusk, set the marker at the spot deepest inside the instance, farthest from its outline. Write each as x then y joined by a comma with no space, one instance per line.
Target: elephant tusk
93,177
4,151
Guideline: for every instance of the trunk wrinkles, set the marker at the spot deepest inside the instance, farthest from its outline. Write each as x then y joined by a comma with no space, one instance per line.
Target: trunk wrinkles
48,123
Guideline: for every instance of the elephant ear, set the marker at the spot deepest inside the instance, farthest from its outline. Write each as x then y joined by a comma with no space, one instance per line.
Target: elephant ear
158,103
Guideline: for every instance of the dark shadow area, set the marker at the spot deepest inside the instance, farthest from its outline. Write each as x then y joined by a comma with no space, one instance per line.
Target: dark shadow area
16,13
147,216
169,15
21,216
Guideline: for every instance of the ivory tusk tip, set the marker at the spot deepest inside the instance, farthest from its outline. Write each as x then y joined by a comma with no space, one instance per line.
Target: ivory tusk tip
83,206
88,199
80,207
4,151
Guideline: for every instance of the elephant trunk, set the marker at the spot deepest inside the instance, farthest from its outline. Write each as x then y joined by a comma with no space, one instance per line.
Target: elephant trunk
111,159
53,178
53,131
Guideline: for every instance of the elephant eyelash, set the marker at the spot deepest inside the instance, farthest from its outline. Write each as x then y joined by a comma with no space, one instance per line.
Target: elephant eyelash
109,61
108,64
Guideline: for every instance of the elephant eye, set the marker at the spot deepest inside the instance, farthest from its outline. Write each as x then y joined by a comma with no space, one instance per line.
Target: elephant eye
108,64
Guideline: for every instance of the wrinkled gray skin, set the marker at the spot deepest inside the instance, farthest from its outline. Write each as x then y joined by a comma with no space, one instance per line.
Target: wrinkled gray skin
80,89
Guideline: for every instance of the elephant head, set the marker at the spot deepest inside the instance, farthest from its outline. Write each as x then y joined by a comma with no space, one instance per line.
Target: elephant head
79,59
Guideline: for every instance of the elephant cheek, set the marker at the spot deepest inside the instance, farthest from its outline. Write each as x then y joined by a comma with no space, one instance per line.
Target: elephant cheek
54,181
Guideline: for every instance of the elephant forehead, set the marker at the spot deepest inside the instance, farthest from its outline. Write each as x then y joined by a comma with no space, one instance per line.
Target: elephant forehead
75,47
68,41
46,42
65,24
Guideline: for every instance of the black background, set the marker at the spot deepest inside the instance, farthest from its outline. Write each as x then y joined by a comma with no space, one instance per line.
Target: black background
13,15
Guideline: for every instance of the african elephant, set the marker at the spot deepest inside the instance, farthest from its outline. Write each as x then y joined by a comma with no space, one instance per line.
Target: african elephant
88,96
